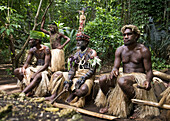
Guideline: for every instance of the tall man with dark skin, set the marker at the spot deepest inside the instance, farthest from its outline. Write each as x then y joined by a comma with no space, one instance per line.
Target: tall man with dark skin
136,60
43,56
57,60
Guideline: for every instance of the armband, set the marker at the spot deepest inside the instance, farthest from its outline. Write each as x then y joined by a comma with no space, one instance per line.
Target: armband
70,82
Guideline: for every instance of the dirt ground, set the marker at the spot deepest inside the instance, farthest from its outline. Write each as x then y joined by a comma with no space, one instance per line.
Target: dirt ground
25,110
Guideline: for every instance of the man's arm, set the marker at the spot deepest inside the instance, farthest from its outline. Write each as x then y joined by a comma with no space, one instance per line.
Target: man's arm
66,42
148,66
117,62
42,25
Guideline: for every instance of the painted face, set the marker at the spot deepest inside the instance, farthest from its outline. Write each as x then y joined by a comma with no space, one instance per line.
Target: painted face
129,37
33,42
81,44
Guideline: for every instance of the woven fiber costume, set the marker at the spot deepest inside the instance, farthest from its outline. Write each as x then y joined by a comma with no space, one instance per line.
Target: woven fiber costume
57,60
85,65
119,105
42,89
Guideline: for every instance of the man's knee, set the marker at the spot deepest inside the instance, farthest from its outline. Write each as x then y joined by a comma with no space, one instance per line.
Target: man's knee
57,74
16,71
102,80
122,82
84,90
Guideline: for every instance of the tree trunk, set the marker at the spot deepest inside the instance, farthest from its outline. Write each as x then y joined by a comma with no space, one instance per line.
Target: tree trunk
35,25
12,49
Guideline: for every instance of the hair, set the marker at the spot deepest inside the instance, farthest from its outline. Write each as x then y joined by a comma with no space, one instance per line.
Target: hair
54,25
133,28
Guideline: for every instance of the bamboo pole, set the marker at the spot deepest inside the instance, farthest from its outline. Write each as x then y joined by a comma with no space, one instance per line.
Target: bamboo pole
150,103
161,75
80,110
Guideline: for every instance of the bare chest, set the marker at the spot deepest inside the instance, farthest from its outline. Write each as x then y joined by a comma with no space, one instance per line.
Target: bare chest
55,37
39,54
134,56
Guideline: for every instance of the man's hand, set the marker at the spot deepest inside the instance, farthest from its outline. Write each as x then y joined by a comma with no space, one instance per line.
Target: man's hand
114,73
147,85
78,84
67,84
24,70
60,47
66,87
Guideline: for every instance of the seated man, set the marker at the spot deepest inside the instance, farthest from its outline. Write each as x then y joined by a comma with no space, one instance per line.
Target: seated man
117,89
35,78
80,78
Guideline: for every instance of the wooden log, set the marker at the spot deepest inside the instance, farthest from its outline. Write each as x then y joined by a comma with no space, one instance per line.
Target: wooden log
161,75
80,110
150,103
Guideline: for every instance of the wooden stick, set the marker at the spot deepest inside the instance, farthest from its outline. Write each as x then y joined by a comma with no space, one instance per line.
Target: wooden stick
80,110
150,103
62,92
161,75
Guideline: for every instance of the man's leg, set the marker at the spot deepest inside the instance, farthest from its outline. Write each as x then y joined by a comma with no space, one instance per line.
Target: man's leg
78,92
33,83
126,84
105,85
50,98
18,74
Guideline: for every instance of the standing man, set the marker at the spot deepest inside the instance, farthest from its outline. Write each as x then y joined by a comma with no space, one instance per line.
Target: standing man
57,60
80,78
117,89
35,79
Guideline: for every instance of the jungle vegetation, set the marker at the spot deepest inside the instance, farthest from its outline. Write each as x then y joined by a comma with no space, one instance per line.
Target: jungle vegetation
104,19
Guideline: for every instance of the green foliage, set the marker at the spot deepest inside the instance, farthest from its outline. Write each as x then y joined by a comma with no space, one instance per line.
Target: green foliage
71,46
159,63
105,33
103,22
9,72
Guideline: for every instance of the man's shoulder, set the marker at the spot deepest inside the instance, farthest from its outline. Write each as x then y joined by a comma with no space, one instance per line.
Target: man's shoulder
120,48
33,49
143,48
92,52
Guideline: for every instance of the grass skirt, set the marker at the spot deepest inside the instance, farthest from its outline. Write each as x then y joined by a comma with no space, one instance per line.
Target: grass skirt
57,60
120,106
41,89
56,85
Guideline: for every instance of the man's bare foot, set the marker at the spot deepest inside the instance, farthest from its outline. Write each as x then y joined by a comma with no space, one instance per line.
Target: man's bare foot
136,112
103,110
29,94
70,98
134,116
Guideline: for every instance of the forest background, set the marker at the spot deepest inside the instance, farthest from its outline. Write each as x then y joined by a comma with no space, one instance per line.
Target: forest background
104,19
